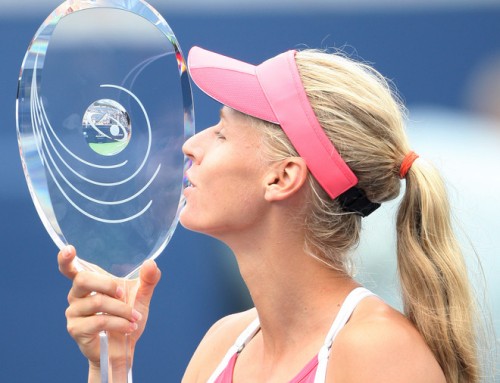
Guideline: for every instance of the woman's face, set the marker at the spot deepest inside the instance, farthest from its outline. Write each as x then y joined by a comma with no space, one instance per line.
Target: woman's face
226,176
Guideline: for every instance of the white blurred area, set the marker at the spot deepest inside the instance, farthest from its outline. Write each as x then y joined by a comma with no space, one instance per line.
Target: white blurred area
465,146
131,31
466,150
217,6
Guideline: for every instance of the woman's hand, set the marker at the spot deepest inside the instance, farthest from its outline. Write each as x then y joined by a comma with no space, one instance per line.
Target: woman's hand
94,294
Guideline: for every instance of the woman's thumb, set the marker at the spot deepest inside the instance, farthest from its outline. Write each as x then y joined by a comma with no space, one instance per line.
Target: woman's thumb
149,277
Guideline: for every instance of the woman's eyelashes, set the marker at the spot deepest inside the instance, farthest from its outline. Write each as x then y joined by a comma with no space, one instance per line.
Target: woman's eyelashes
219,135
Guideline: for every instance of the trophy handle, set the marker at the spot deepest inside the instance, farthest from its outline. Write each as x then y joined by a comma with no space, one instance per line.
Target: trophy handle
103,340
111,373
116,354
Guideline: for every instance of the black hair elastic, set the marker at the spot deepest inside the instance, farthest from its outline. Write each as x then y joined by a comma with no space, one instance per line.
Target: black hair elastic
354,200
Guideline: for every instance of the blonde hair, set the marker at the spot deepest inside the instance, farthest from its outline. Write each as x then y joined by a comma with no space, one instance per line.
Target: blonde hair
363,117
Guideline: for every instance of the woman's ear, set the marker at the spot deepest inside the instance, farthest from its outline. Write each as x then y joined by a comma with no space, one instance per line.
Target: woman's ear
285,178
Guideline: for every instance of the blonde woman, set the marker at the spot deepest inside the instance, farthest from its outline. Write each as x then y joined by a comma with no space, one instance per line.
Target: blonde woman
308,143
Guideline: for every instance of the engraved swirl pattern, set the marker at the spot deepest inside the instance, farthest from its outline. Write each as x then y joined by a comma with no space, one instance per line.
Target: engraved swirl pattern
51,147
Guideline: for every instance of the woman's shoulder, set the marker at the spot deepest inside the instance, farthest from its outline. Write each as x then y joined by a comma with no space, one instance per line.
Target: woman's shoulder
215,344
379,344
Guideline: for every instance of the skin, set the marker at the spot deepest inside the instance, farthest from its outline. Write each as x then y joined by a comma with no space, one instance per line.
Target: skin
82,322
257,209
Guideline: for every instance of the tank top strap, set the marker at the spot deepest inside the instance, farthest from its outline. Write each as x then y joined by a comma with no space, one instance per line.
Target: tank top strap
345,312
240,343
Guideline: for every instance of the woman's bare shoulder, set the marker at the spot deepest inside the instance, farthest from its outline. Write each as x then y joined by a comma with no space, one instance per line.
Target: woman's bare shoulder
379,344
215,344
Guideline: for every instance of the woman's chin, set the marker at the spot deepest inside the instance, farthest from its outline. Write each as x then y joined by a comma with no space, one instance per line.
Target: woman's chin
189,222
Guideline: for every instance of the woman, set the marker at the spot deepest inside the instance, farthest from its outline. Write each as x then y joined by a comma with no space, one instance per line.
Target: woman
307,144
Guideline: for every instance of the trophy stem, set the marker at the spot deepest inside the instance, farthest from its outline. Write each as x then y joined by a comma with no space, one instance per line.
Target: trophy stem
116,349
103,339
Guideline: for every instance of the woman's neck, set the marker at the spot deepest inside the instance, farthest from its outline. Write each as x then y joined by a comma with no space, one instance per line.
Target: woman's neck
293,292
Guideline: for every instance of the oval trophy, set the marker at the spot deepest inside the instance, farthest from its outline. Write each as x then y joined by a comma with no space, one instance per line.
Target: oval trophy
104,106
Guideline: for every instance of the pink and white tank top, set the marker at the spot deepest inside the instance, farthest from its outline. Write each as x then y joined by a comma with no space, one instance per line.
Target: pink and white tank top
315,370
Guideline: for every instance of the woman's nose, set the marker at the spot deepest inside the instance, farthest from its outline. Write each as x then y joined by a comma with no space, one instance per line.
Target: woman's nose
192,149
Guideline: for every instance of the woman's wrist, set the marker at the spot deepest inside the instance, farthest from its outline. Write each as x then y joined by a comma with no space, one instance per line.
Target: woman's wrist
94,373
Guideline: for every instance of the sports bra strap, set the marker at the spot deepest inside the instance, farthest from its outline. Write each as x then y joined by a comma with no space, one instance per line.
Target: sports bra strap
345,312
245,337
350,303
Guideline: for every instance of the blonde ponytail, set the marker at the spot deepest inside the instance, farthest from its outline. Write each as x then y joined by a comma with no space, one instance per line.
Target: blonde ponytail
364,119
434,281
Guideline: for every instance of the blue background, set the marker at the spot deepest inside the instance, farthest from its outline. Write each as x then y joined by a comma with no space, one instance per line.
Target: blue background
430,54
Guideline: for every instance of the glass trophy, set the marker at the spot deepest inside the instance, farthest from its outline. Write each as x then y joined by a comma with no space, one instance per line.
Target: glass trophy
104,106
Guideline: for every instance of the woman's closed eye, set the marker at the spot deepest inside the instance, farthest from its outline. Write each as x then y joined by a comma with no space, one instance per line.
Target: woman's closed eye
219,135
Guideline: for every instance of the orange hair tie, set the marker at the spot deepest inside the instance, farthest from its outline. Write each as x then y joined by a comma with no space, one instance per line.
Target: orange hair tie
407,163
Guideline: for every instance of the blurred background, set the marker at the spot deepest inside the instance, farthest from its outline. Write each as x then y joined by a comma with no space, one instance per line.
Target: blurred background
444,57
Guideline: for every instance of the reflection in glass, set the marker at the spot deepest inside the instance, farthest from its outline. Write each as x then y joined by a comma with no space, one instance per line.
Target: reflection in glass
106,127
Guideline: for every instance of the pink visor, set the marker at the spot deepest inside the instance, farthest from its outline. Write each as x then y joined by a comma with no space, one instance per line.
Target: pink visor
273,91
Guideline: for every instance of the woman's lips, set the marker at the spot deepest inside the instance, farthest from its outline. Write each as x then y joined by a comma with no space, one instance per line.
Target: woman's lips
190,183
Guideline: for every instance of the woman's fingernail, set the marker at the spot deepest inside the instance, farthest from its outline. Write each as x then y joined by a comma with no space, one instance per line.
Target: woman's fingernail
65,252
136,315
120,292
134,326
